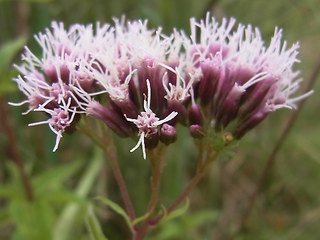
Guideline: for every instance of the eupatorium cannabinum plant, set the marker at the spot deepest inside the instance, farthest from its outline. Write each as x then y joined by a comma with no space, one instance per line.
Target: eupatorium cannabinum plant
220,82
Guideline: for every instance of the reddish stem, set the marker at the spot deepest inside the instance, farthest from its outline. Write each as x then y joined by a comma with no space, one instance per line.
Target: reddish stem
13,153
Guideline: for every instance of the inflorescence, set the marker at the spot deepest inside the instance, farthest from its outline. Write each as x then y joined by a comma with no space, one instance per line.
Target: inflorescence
221,78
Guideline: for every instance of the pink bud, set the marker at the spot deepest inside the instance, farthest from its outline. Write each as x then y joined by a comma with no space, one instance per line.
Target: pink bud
245,125
168,134
197,131
112,119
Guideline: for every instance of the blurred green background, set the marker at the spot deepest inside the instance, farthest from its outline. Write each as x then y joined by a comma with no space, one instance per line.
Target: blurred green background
65,182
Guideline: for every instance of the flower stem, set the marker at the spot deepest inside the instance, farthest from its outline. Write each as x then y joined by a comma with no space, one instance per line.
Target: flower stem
156,159
204,159
110,151
107,145
5,122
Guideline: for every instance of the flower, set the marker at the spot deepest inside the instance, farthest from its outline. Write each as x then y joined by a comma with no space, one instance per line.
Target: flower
222,78
148,123
51,81
236,77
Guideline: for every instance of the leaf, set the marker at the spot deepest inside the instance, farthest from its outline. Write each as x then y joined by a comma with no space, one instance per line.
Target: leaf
117,208
8,51
94,226
33,220
139,219
62,196
10,191
176,213
54,177
68,218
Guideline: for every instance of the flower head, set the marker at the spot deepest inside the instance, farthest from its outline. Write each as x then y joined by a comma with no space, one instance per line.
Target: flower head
147,122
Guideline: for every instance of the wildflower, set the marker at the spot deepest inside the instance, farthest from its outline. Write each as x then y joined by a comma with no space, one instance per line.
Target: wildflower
50,82
237,78
148,123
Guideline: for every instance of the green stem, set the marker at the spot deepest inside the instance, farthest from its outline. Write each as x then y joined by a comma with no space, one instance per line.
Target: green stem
204,159
156,159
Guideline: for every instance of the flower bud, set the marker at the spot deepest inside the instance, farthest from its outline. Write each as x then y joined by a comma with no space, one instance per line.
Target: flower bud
211,71
53,75
247,124
195,115
112,119
168,134
151,141
256,95
176,106
197,131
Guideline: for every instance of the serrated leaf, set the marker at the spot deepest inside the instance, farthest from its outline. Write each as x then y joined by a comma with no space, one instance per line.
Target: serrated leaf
94,226
117,208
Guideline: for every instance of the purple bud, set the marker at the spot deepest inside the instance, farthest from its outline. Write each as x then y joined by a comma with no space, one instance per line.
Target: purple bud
172,77
216,47
211,71
52,75
197,131
243,74
126,107
176,106
56,91
195,115
243,126
195,53
112,119
255,96
151,141
64,73
227,111
168,134
85,81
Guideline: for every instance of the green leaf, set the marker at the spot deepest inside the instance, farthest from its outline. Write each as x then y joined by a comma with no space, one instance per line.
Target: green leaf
33,220
8,51
117,208
54,178
176,213
139,219
10,191
68,218
94,226
63,196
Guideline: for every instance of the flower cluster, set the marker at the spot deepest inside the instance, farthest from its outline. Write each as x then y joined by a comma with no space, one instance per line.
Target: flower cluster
220,78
